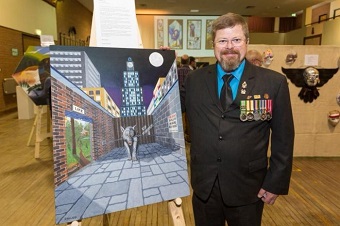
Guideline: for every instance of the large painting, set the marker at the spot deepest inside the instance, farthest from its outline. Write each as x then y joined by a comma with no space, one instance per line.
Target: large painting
117,130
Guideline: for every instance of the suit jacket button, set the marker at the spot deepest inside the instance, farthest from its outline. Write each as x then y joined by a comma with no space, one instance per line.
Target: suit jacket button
220,138
219,160
223,116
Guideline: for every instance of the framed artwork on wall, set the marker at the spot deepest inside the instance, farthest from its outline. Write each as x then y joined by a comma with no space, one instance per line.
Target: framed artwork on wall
312,40
208,38
185,34
194,28
175,34
160,32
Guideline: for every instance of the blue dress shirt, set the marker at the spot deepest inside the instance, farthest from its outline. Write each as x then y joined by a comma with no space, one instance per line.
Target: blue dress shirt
234,82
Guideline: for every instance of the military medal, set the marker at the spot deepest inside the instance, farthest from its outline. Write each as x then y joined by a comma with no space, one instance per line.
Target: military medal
250,116
263,110
257,115
269,109
243,116
250,110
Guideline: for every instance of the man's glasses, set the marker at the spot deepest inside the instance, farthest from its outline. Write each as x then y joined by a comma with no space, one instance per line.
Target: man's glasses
234,42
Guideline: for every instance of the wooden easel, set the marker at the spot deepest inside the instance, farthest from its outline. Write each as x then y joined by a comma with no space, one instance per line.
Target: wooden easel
39,135
174,207
106,221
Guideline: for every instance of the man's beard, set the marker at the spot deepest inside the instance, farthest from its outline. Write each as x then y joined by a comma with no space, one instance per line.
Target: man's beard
230,63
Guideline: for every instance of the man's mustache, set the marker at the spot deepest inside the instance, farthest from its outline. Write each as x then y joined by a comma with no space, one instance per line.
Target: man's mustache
230,51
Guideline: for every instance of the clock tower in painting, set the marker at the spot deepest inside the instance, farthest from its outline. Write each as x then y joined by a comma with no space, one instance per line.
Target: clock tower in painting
132,93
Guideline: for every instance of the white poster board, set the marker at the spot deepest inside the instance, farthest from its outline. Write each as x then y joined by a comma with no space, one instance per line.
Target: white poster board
114,24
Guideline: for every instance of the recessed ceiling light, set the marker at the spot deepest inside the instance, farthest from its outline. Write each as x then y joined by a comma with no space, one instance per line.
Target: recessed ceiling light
194,10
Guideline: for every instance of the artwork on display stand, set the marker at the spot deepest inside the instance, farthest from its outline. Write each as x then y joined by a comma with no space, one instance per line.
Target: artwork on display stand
118,135
33,74
194,34
175,34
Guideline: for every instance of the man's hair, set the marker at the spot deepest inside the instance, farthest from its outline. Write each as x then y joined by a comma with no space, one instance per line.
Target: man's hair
185,59
229,20
191,59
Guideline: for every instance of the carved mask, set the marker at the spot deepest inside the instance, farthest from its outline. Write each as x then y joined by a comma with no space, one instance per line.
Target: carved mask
333,117
291,57
268,57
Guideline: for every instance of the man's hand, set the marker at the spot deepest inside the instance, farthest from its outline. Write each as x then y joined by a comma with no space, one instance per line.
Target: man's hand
164,47
267,197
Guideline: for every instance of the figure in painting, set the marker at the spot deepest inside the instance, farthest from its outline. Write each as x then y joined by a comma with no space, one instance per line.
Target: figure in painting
130,141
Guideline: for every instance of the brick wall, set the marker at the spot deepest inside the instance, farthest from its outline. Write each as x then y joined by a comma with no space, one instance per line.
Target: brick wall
63,99
170,105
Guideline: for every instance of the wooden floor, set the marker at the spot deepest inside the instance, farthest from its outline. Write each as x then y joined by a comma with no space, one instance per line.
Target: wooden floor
27,190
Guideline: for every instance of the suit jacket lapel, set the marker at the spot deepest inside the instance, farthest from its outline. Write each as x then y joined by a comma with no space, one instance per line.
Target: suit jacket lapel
247,83
211,82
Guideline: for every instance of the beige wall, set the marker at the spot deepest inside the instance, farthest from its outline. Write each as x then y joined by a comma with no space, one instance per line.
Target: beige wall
29,15
332,29
267,38
146,29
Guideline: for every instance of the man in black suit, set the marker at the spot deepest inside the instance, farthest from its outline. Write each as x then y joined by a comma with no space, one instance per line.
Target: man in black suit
231,174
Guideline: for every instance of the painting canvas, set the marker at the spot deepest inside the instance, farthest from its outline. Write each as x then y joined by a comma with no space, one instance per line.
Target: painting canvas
117,130
160,32
175,34
208,37
33,74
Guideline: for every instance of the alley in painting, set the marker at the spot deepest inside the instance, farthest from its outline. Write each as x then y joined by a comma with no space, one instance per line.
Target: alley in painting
114,183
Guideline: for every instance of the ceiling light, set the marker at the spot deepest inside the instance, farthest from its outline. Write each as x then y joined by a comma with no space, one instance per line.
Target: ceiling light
194,10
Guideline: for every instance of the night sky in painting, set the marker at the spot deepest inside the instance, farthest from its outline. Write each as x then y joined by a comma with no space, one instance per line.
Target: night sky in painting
111,63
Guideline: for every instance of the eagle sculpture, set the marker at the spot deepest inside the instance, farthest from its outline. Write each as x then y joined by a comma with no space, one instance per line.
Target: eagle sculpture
309,78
